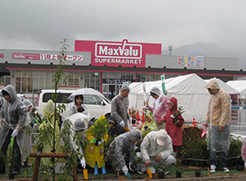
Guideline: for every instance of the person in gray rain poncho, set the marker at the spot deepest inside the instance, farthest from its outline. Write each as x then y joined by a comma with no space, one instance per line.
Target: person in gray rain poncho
79,125
1,104
121,150
119,107
28,129
218,120
12,120
156,147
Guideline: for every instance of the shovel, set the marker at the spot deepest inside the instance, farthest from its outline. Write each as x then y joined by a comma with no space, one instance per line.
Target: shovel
204,131
85,172
149,172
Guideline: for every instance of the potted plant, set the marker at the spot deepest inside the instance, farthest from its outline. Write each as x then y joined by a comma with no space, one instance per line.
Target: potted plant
178,172
160,169
198,173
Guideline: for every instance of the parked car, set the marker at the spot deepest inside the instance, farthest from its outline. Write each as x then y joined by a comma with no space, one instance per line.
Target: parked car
96,103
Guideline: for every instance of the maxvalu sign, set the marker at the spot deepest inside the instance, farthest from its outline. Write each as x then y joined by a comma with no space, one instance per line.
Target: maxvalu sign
126,54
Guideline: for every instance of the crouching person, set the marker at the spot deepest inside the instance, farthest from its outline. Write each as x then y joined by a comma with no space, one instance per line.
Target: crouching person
156,147
121,150
78,127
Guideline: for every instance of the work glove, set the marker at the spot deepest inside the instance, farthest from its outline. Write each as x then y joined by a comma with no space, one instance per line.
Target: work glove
82,162
15,133
125,169
100,142
138,155
93,140
97,143
158,158
147,162
122,124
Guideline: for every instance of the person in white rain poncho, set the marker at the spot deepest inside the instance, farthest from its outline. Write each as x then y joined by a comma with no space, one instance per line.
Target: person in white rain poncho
121,150
156,147
79,125
12,120
27,136
159,108
218,120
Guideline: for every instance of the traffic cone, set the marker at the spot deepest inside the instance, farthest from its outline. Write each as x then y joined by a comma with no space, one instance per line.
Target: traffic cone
137,117
143,118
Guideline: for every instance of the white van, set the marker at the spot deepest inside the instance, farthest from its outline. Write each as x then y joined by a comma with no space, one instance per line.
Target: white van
97,105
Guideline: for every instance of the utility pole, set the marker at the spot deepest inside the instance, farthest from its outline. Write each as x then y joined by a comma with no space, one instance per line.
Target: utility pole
170,48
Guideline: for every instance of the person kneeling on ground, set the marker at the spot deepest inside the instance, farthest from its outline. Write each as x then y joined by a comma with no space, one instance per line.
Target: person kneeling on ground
121,150
156,147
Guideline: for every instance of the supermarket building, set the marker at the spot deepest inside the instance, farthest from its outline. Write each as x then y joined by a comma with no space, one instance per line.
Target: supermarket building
105,65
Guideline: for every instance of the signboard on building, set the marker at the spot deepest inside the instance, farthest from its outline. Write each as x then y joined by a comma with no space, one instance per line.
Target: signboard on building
191,61
34,56
125,54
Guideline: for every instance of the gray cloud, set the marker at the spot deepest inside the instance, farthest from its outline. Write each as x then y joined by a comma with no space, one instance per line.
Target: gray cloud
32,24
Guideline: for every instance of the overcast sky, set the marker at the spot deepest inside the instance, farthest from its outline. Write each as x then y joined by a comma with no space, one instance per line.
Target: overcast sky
42,24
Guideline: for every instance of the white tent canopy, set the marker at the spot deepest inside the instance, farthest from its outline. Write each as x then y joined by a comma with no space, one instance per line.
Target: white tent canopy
227,88
189,90
240,86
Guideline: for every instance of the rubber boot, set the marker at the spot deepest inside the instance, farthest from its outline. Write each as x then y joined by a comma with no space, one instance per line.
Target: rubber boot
104,170
95,170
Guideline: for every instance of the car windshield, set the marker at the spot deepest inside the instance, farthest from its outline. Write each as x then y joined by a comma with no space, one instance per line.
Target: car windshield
92,99
61,98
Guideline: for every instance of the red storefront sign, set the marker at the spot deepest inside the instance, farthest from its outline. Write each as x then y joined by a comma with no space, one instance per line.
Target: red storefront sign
126,54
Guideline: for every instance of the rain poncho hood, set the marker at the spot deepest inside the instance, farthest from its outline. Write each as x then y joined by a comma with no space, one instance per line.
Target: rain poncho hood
124,87
49,108
149,126
135,135
11,91
155,90
212,84
173,101
219,114
28,104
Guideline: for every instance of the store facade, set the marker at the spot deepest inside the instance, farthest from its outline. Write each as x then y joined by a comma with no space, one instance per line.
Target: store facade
105,65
